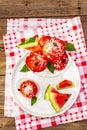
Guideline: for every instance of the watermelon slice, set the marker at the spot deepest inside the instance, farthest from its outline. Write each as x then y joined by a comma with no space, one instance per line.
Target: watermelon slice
58,100
31,42
65,84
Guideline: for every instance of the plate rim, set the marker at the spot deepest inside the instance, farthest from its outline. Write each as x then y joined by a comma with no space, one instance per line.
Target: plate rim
38,115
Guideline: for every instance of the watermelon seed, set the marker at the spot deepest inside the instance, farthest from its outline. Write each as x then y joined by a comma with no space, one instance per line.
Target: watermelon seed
36,63
54,43
65,100
24,86
67,95
63,60
18,89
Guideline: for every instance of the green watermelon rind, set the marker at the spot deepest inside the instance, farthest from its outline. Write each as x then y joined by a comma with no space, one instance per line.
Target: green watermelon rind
27,44
53,103
47,91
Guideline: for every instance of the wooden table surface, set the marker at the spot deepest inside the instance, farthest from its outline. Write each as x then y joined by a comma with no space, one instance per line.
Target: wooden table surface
32,9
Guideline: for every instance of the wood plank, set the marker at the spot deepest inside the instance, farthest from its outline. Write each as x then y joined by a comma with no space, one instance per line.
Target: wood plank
2,61
3,24
2,83
7,124
83,7
2,91
84,23
1,43
38,8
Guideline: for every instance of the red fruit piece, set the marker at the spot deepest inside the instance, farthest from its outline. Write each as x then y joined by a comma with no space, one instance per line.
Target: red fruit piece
53,49
36,62
53,90
36,48
43,40
65,84
28,89
58,99
61,62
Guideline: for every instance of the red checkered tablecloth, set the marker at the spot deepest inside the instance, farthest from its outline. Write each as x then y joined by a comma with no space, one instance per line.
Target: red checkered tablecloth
66,29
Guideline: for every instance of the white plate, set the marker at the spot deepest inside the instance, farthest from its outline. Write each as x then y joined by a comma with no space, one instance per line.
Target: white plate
43,108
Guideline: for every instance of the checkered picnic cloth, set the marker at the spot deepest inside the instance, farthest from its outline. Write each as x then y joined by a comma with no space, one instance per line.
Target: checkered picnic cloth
22,24
66,29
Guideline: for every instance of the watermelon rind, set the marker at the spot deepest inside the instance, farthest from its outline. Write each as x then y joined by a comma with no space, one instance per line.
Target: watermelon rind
47,91
29,43
53,103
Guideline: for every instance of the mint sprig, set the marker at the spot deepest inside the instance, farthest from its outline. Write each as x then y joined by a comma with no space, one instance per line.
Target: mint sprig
33,100
24,69
69,47
50,67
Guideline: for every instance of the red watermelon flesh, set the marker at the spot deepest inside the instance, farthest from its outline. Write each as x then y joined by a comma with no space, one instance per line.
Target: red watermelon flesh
65,84
48,90
53,90
61,99
58,99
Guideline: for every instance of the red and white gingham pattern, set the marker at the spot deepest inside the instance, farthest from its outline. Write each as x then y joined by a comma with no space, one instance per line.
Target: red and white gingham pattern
17,25
12,56
70,30
21,24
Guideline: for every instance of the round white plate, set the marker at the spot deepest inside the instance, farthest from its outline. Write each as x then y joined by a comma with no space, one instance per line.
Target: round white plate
43,108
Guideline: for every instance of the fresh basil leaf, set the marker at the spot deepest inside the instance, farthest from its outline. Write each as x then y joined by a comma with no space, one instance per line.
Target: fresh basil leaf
69,47
50,67
24,69
30,40
33,100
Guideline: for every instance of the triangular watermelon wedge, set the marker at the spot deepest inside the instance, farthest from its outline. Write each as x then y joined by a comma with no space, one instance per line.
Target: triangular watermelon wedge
65,84
58,100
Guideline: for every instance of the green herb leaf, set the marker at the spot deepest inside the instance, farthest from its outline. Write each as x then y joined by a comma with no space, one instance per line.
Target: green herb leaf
50,67
33,100
69,47
30,40
24,69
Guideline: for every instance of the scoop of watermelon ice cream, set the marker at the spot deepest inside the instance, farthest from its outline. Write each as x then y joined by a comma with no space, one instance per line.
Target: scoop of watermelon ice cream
61,62
53,49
